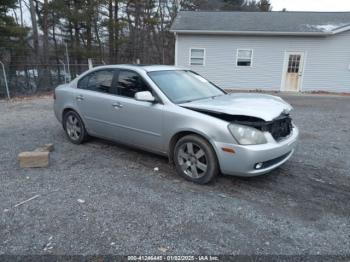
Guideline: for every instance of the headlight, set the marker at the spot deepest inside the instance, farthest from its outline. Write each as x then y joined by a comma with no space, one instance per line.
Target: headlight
246,135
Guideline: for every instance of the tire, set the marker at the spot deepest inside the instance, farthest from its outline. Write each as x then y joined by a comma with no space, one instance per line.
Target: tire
195,159
74,127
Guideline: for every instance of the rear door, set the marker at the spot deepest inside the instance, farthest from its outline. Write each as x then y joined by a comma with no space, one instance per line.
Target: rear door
97,101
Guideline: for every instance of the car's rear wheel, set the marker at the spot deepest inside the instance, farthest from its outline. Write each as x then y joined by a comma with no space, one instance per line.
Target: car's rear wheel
74,127
195,159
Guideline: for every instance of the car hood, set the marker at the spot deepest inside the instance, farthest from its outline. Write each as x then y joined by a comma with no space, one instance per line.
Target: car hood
266,107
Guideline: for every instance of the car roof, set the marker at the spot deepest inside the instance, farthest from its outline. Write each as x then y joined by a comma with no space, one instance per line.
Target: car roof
147,68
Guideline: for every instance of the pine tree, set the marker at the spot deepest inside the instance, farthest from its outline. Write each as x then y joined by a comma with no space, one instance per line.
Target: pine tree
265,6
9,29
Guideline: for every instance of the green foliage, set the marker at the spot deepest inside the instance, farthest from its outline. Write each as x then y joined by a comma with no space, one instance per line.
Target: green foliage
234,5
265,5
10,32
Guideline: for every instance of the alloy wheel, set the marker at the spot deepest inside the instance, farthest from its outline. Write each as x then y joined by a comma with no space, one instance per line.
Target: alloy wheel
192,160
73,127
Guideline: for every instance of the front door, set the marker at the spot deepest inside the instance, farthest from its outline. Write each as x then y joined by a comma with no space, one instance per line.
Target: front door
293,72
141,122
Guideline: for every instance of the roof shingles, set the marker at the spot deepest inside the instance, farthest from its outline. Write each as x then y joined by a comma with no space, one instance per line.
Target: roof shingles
278,22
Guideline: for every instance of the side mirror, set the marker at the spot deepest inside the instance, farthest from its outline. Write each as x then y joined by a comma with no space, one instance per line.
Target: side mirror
145,96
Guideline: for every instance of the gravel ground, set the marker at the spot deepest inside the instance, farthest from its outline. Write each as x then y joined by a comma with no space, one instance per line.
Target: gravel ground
129,208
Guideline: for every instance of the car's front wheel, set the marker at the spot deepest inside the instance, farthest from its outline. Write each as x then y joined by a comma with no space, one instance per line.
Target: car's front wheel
74,127
195,159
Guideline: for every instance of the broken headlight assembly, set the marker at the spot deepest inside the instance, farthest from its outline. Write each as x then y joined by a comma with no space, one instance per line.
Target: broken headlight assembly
246,135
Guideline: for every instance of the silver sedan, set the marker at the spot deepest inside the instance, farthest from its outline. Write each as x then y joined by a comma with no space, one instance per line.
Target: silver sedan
178,113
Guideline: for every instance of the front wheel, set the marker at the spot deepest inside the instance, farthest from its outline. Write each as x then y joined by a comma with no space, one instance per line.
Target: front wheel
195,159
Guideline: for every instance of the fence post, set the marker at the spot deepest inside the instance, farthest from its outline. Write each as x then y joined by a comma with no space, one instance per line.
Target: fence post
90,63
64,70
5,79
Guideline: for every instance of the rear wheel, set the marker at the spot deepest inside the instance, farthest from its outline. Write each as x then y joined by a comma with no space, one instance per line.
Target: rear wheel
195,159
74,127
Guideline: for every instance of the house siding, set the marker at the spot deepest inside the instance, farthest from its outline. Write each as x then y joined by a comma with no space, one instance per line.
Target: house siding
326,67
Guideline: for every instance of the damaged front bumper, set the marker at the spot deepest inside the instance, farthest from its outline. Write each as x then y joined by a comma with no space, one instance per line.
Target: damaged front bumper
255,160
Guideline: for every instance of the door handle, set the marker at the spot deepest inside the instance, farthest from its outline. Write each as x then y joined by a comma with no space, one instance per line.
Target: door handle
117,105
79,98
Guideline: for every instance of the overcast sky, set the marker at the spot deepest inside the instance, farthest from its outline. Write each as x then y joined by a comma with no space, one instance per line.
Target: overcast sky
311,5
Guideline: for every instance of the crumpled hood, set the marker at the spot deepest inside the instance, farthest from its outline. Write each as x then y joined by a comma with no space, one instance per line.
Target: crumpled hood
266,107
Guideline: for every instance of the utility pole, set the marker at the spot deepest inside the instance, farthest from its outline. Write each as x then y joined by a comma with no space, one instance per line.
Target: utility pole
5,79
68,67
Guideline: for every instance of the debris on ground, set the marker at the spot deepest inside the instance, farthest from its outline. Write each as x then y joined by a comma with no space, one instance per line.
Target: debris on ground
81,201
163,249
156,169
25,201
222,195
48,246
318,180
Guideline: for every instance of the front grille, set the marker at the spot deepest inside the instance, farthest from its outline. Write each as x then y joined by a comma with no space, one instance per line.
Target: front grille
275,161
279,128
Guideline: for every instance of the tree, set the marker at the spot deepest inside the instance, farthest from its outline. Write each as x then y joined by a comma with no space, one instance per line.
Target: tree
265,6
8,26
12,47
225,5
34,28
234,5
203,5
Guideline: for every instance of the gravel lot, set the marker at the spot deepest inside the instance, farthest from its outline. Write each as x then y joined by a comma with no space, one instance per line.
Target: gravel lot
301,208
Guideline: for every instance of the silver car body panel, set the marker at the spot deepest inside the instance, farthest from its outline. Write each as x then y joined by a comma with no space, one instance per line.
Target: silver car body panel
151,126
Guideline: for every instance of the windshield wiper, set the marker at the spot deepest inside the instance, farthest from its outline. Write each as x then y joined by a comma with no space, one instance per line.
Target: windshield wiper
186,101
216,96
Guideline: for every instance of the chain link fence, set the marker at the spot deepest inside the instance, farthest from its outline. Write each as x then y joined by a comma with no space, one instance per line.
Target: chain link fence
31,79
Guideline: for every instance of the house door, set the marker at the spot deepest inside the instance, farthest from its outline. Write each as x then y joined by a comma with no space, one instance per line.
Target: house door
293,71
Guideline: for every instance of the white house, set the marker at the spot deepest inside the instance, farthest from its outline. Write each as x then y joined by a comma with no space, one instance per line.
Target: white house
287,51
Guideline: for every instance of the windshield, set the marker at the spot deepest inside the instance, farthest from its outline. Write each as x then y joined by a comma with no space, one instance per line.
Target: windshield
182,86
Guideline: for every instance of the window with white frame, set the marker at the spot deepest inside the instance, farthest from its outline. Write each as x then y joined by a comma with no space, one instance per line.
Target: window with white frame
244,57
197,56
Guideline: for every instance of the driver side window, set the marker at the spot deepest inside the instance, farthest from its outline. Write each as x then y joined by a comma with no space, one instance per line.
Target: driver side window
129,83
99,81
